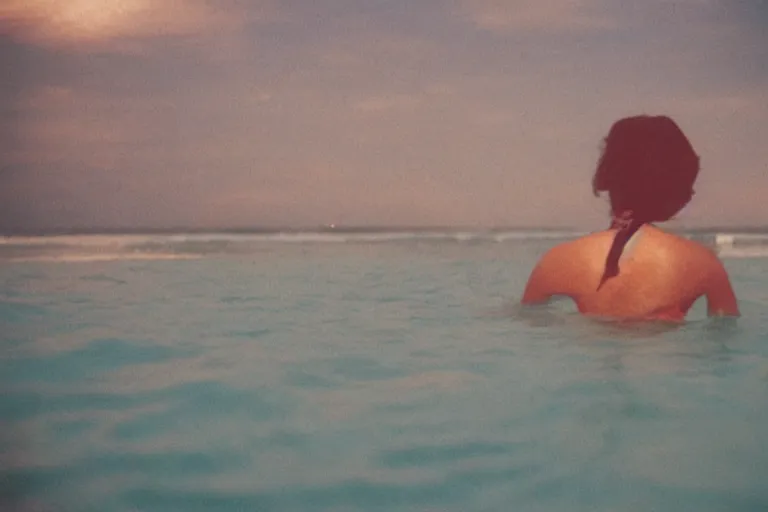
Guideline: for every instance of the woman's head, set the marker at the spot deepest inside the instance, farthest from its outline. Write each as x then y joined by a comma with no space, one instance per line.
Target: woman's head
648,166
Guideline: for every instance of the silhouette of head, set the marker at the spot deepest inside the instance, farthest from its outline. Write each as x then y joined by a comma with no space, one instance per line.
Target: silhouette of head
648,167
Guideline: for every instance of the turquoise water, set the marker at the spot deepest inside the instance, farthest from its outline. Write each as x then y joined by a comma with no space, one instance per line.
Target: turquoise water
363,376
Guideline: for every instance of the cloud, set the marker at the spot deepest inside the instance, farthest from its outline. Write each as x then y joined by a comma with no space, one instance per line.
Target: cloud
743,103
536,15
45,98
375,104
351,113
94,24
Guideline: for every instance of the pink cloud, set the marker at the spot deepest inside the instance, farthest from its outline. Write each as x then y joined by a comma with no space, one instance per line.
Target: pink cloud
549,15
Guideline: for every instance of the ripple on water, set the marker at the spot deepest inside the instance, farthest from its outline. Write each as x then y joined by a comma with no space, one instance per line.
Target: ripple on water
356,493
106,473
20,312
193,405
335,371
440,455
250,334
98,356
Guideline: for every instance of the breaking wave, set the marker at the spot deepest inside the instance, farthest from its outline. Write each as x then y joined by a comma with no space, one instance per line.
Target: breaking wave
742,245
110,247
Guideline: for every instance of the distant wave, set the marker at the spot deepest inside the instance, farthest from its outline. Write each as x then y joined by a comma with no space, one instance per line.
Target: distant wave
108,247
134,240
742,245
89,258
752,252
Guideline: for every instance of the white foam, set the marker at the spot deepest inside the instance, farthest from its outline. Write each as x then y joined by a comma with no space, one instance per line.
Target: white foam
127,241
724,239
89,258
751,238
536,235
742,252
81,240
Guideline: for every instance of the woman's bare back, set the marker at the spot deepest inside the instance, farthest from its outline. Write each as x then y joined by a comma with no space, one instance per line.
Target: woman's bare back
661,277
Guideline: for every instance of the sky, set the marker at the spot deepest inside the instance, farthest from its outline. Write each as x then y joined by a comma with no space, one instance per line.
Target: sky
248,113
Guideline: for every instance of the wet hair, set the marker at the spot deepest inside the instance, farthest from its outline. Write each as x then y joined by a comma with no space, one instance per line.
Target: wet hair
648,167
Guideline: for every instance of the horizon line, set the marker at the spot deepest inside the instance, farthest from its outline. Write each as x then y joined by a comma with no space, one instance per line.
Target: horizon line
336,228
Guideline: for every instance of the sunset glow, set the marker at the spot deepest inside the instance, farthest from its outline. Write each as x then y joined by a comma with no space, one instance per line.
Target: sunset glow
80,22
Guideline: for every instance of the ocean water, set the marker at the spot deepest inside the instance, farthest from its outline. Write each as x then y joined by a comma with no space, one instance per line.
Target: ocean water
381,371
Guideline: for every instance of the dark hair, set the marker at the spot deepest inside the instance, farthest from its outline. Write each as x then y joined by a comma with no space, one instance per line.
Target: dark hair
648,167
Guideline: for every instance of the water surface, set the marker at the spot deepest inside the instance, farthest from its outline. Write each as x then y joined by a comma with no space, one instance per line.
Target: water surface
364,376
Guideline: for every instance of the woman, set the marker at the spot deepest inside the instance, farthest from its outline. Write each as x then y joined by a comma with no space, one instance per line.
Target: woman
635,270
